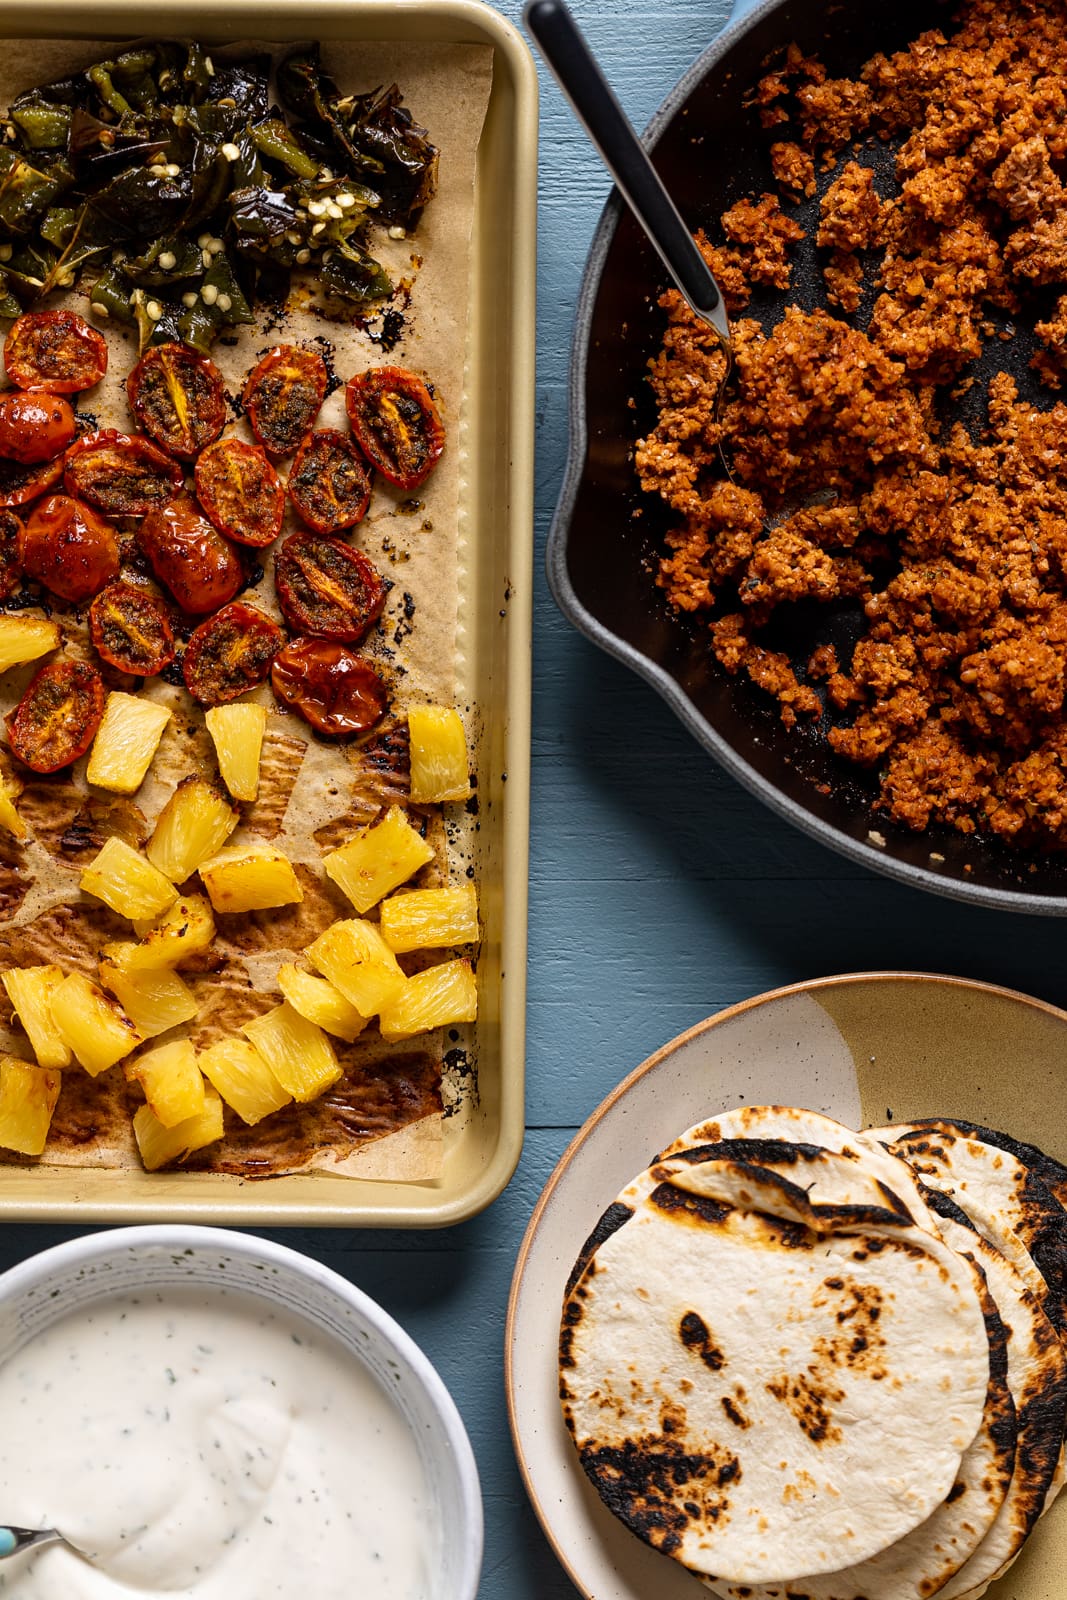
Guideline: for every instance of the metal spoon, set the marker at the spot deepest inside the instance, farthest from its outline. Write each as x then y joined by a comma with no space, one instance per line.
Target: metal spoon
594,103
15,1540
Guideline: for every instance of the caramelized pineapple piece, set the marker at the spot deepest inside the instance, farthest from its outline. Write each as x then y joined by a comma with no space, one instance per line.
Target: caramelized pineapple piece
155,999
172,1082
159,1144
128,883
125,742
30,990
238,734
28,1096
432,999
25,639
243,1079
356,959
378,859
10,820
298,1053
250,877
97,1030
429,919
320,1002
193,825
439,769
186,930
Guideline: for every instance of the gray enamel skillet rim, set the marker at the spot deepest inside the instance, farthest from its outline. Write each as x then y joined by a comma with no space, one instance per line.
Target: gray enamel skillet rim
576,612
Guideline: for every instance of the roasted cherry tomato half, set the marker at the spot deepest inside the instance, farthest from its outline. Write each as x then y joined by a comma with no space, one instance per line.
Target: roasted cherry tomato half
54,350
329,483
190,557
332,687
19,485
176,394
56,720
241,492
130,630
230,653
121,473
282,397
35,427
396,424
69,548
326,588
11,535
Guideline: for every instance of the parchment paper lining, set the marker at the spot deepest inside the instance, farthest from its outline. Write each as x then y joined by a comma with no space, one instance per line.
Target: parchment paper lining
307,784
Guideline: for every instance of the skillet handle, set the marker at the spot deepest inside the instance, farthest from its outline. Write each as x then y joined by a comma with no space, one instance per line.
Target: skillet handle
593,101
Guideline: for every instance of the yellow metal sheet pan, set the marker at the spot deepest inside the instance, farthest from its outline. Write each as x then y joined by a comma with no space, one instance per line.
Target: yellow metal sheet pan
484,1138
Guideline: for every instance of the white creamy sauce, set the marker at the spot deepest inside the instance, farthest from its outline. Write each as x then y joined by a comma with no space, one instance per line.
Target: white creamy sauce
206,1445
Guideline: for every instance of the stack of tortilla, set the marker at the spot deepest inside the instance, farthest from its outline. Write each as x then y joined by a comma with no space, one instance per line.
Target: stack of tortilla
811,1364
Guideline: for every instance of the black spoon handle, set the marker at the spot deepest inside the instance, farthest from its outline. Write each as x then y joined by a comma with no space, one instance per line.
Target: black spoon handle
578,75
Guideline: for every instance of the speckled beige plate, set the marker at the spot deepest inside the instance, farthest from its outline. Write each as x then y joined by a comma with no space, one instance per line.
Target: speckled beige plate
868,1048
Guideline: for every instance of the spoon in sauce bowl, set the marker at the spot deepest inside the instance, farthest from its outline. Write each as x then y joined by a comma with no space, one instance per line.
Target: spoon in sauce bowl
14,1540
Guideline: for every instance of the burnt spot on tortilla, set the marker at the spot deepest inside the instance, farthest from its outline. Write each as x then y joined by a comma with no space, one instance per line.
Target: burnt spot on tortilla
808,1397
696,1336
859,1344
943,1205
734,1412
759,1152
659,1488
1051,1172
685,1207
609,1223
958,1488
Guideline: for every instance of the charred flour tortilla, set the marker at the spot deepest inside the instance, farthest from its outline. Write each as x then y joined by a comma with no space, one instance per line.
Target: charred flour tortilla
730,1377
1006,1201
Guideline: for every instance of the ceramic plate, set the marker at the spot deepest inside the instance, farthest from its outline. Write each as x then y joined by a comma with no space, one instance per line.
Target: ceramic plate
868,1049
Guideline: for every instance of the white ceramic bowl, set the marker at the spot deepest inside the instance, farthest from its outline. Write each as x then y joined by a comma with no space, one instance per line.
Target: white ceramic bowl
49,1286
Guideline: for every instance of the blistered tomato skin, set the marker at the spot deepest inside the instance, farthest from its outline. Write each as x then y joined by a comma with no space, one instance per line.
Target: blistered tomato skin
35,427
130,630
11,537
69,548
120,473
230,654
395,423
19,485
331,687
176,394
54,350
241,492
283,395
56,720
190,557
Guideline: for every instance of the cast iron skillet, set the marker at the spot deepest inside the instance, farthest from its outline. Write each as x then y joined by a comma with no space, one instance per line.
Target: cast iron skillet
710,150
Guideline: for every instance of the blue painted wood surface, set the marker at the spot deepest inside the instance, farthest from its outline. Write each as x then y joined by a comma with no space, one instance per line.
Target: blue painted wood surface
661,892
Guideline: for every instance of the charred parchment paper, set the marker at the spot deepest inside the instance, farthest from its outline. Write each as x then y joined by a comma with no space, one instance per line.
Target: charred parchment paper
383,1119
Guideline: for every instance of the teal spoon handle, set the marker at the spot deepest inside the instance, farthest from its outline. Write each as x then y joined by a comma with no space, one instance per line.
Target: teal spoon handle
12,1540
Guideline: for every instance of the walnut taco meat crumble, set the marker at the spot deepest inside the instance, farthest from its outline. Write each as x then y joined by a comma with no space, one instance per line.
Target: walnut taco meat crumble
852,480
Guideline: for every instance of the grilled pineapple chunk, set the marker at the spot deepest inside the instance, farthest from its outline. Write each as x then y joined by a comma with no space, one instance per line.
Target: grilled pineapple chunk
93,1026
159,1144
356,959
186,930
25,639
432,999
439,768
154,999
9,817
28,1096
238,734
125,742
429,919
243,1079
172,1082
298,1053
193,825
30,990
250,877
127,883
378,859
320,1002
